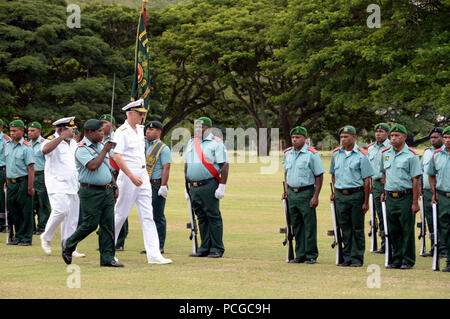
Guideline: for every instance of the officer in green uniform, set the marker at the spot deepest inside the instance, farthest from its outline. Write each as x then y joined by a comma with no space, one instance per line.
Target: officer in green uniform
206,171
157,158
401,173
20,180
41,203
439,177
109,124
3,140
303,171
350,171
374,154
97,193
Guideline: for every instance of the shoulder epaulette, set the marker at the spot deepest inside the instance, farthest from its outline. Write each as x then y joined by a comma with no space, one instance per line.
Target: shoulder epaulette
27,143
426,148
312,150
288,149
415,153
438,150
217,139
337,149
123,128
385,149
51,137
6,137
362,150
42,139
370,145
81,143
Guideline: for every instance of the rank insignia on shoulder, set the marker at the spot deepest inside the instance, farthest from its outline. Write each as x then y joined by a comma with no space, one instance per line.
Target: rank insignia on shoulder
51,137
123,128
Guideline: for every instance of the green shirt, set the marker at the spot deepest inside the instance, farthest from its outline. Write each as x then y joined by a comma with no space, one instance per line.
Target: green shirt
400,168
3,140
374,156
39,158
425,161
18,157
86,152
440,167
350,170
213,149
302,167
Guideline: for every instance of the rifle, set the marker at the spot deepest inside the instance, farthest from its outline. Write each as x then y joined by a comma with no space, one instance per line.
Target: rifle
193,224
435,239
9,229
373,222
387,247
337,243
288,229
112,108
423,228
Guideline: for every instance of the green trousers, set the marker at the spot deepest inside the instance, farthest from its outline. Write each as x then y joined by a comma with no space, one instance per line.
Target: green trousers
206,208
158,203
444,223
2,198
378,190
122,235
20,210
41,203
428,210
351,220
304,224
98,209
401,222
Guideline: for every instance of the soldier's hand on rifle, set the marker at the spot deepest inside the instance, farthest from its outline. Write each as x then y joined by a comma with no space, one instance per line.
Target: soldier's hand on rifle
314,202
415,208
434,199
365,207
332,197
382,197
284,195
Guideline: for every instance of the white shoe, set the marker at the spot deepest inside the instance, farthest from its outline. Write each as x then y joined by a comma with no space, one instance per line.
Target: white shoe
46,246
160,260
78,255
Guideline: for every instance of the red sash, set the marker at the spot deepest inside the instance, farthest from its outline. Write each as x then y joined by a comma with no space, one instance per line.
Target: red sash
210,167
113,163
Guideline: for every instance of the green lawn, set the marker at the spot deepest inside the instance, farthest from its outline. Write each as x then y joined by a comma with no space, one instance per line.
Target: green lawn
253,265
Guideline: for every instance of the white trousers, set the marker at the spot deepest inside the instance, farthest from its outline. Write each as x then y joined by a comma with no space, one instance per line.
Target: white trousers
65,212
130,194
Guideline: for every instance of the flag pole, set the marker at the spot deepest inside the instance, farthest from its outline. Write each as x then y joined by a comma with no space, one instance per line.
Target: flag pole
144,4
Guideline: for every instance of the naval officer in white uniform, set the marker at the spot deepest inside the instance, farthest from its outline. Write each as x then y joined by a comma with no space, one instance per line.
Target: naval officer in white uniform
61,181
133,181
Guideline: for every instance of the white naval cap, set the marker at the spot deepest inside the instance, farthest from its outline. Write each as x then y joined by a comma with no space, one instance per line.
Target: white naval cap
137,106
67,122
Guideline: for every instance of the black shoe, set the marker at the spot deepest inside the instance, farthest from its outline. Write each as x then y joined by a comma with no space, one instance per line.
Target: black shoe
344,264
14,242
406,266
198,255
428,254
97,249
446,269
38,232
356,265
214,255
120,248
112,264
23,244
66,254
393,266
442,255
297,261
379,251
310,261
143,251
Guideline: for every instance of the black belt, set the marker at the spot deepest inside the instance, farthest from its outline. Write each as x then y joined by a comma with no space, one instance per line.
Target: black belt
377,180
300,189
96,187
399,194
18,179
202,182
443,193
155,181
349,191
38,173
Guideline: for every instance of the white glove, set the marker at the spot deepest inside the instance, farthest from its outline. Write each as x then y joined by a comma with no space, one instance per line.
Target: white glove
163,191
186,195
220,191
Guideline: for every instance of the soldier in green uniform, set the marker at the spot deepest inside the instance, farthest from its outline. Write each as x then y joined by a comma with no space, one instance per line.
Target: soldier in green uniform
303,171
98,190
401,175
3,140
350,171
206,171
436,140
20,181
41,203
439,178
109,124
374,155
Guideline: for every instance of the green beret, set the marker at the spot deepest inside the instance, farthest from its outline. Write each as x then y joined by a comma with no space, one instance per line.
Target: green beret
108,117
436,130
17,123
348,129
36,125
299,130
1,122
382,126
398,128
154,124
76,132
93,124
204,121
446,131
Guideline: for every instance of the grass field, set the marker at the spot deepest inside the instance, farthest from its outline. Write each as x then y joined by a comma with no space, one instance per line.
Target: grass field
253,265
